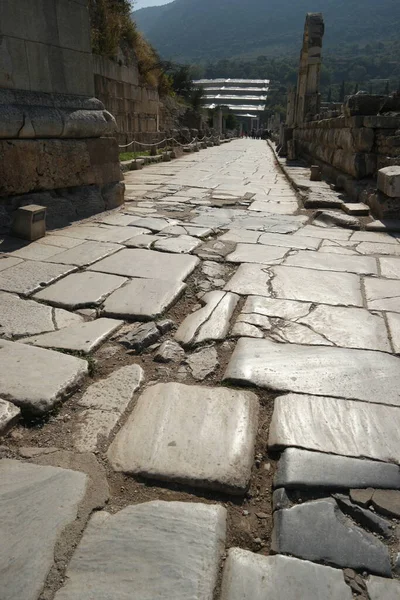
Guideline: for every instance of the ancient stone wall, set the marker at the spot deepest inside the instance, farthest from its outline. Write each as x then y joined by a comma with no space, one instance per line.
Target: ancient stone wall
51,126
135,106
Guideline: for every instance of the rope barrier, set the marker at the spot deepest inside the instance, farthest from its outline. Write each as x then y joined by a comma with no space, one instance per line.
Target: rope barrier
166,140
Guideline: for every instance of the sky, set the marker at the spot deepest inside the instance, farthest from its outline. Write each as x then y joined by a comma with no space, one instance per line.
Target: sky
144,3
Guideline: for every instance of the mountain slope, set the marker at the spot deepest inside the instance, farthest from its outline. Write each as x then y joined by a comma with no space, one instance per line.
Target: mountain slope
201,30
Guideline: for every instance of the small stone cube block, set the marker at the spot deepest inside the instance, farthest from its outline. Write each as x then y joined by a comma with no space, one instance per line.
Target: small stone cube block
30,222
389,181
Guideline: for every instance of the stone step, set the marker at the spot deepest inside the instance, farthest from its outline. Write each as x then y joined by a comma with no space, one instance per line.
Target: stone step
165,550
356,208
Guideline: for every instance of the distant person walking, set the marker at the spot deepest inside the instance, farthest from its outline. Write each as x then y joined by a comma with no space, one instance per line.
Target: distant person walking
253,134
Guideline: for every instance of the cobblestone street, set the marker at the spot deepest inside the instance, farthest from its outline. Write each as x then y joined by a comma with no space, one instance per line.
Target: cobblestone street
200,395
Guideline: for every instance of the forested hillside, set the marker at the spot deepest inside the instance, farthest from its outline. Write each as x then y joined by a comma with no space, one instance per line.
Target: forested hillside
210,30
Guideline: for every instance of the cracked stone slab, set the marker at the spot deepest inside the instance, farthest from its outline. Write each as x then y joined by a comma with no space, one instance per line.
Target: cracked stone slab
245,236
257,253
380,588
326,371
373,248
300,469
38,502
81,290
349,327
324,233
362,265
35,379
203,363
336,426
36,251
94,427
155,223
115,392
249,576
309,285
318,531
84,337
142,241
375,237
188,434
295,242
250,279
187,229
244,329
148,264
390,267
143,298
273,307
210,322
28,277
181,244
84,254
9,415
168,550
296,333
382,294
20,318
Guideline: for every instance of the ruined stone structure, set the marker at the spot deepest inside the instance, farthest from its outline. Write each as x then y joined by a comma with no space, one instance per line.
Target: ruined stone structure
350,146
52,128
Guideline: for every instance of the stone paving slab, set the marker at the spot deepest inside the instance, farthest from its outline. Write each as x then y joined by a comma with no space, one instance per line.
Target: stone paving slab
337,372
393,320
309,285
362,265
250,279
168,550
142,241
143,298
273,307
84,337
336,426
349,327
38,503
102,233
390,267
249,576
295,242
318,531
8,261
20,318
36,379
382,294
36,251
210,322
84,254
376,249
9,415
81,290
376,237
193,435
148,264
324,233
380,588
300,469
60,241
28,277
115,392
257,253
94,427
181,244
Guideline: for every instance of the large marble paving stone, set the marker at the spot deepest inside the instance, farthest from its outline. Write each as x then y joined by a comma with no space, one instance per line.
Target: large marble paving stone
319,531
36,379
266,222
168,550
349,327
257,253
148,264
249,576
80,290
103,233
193,435
20,317
250,279
324,233
84,337
363,265
375,237
390,267
393,320
371,248
84,254
325,371
37,503
309,285
8,261
382,294
380,588
143,298
30,276
336,426
181,244
302,469
295,242
9,415
273,307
